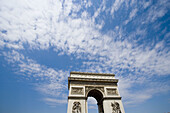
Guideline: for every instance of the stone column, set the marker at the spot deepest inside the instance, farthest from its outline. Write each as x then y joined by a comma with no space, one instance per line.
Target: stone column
100,108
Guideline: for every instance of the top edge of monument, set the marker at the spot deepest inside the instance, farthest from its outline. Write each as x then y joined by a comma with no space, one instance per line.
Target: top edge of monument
88,73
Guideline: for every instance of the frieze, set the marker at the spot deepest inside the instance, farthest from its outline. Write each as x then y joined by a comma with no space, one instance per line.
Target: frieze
77,90
111,91
92,83
92,79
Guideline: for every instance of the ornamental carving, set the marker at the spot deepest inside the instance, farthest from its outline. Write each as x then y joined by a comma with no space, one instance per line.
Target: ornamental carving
88,88
111,91
115,107
76,107
77,90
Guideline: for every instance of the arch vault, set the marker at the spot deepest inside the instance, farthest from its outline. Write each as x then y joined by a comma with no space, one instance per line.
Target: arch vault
103,87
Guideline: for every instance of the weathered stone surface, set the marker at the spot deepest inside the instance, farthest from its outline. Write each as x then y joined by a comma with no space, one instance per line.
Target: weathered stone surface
88,88
111,91
103,87
77,90
76,107
115,107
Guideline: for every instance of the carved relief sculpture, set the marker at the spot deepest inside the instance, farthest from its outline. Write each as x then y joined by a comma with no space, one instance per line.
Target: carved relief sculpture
88,88
101,86
111,91
76,107
115,107
77,90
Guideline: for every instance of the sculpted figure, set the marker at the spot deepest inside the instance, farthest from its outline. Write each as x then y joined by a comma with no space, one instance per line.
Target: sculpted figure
76,107
115,107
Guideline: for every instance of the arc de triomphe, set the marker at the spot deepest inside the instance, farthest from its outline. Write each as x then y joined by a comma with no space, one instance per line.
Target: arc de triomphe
103,87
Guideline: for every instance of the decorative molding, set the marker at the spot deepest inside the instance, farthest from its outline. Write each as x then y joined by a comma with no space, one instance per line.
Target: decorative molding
115,107
112,91
88,88
92,79
85,73
86,83
72,80
76,107
77,90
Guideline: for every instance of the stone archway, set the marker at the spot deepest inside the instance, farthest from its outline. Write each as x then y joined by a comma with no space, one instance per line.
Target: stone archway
103,87
99,97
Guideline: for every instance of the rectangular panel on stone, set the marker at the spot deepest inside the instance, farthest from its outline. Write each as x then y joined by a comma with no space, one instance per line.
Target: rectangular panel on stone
77,90
111,91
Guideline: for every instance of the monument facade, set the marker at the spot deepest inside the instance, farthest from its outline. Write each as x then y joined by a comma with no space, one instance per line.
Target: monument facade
103,87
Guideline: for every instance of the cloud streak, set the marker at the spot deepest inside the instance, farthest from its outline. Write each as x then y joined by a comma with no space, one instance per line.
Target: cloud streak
72,31
46,80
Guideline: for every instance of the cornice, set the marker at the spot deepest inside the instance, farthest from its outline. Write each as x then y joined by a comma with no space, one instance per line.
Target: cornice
86,73
92,79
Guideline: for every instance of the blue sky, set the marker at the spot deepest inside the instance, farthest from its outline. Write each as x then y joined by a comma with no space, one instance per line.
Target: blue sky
41,41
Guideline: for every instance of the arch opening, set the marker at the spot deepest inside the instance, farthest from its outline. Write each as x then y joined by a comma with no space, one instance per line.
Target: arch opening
99,98
92,105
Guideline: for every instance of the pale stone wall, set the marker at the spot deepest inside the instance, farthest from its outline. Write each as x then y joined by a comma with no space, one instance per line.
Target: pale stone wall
82,102
112,95
93,76
108,108
79,88
74,94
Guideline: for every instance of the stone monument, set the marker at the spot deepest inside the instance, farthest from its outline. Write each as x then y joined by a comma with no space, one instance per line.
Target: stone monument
103,87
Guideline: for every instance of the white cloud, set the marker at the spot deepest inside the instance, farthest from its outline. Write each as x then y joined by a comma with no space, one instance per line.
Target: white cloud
13,56
54,102
156,11
133,13
48,81
91,100
45,24
116,6
146,4
88,4
92,103
131,16
148,89
92,107
51,82
100,9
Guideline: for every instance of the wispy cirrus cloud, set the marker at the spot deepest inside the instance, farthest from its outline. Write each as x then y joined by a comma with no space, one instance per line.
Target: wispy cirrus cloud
132,15
156,11
71,30
116,5
46,80
53,101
